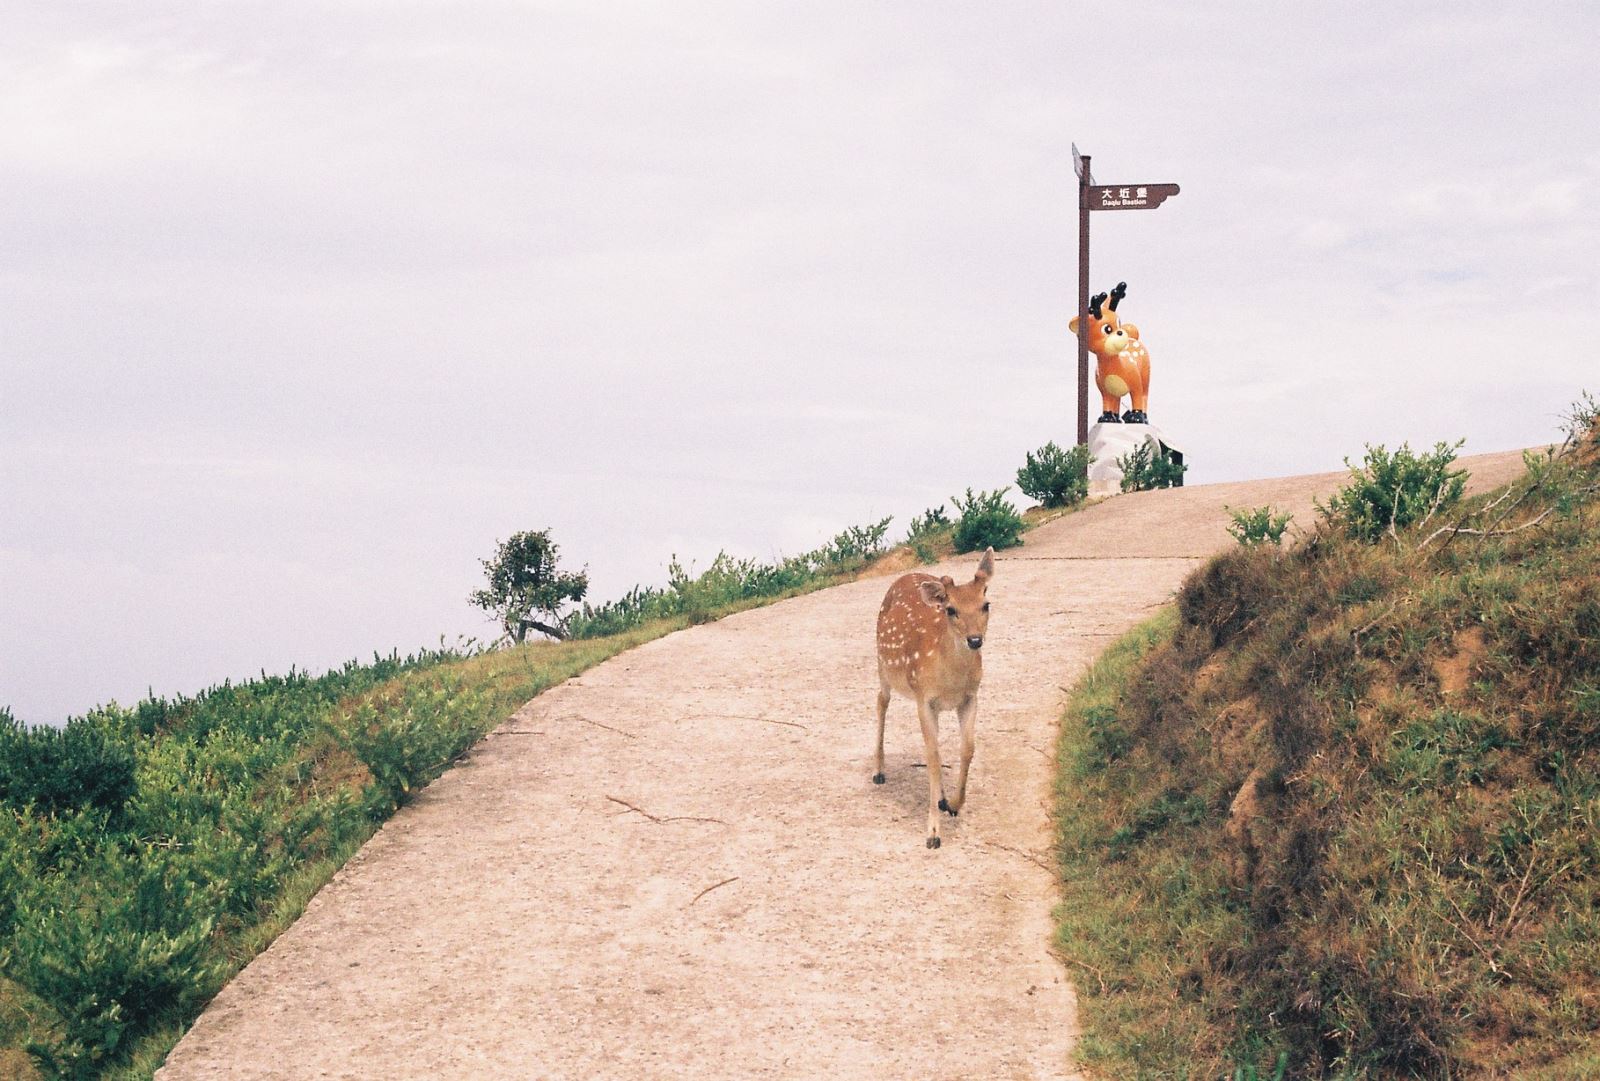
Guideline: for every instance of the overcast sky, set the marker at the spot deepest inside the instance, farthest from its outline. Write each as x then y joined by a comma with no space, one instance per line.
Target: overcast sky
304,305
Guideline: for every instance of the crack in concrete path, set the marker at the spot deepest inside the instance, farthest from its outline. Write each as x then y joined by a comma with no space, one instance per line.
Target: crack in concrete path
787,922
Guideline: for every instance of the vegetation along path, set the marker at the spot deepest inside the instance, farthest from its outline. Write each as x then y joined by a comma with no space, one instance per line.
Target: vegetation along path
676,865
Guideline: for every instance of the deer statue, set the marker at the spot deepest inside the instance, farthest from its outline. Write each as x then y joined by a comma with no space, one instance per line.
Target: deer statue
930,632
1124,362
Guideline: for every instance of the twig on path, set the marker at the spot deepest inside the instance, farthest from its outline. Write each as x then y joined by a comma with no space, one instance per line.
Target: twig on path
1031,857
516,732
607,727
708,889
763,720
659,819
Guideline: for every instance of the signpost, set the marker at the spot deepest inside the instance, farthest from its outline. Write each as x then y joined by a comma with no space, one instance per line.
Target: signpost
1092,196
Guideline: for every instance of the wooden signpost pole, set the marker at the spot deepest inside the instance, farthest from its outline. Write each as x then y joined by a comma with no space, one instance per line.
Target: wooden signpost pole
1096,197
1080,165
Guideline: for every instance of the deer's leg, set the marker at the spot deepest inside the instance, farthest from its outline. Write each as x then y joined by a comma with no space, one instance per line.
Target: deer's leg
930,746
1139,391
968,712
1111,406
883,709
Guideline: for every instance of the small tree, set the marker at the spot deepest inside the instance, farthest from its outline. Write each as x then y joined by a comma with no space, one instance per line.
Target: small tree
525,588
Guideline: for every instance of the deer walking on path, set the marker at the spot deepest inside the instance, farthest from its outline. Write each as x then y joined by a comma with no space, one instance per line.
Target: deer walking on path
930,633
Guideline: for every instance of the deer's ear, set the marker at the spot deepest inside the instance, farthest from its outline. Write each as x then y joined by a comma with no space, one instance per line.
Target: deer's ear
1073,326
933,592
985,569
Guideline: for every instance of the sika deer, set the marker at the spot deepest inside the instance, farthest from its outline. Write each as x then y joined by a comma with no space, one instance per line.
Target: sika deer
929,633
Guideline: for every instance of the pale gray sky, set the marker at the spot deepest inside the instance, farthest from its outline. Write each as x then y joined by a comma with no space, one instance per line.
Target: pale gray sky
304,305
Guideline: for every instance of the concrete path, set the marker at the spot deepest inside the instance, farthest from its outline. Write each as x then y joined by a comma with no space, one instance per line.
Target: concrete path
675,866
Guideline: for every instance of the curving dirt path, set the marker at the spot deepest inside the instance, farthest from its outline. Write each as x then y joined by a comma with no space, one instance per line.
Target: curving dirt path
676,864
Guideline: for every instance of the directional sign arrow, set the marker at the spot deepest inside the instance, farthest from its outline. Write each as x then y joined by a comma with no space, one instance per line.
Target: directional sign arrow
1078,166
1130,196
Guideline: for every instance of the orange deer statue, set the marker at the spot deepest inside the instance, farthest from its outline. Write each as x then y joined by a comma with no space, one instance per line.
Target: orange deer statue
930,631
1124,362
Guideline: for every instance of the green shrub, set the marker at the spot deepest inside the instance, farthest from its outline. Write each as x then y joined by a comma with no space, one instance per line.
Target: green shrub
1143,469
855,545
928,522
85,764
1389,492
987,521
728,581
1250,527
1055,477
411,740
119,951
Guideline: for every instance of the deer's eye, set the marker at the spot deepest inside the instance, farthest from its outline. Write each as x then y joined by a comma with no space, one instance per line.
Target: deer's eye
951,612
1106,328
985,606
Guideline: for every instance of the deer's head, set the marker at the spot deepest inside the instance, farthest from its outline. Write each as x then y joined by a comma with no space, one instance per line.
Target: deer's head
966,608
1105,333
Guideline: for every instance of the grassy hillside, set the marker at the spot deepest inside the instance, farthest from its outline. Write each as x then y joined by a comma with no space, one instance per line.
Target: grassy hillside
1338,814
146,854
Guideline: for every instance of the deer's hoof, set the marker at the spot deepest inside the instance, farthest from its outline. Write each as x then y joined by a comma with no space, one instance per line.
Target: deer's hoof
877,778
947,809
1110,418
933,842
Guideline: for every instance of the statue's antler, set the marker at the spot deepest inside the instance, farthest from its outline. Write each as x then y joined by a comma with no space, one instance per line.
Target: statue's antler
1117,294
1095,302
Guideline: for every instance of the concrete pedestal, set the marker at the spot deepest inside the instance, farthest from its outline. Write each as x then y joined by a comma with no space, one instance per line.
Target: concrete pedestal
1108,442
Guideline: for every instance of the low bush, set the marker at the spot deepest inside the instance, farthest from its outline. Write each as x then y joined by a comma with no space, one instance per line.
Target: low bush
114,947
1390,491
1145,469
1257,525
930,521
1055,477
83,765
987,520
854,546
729,581
408,738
